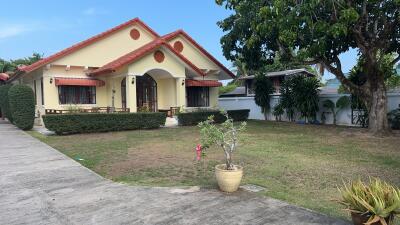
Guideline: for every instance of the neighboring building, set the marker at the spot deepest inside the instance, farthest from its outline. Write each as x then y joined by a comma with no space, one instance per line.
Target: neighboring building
276,77
128,66
237,92
331,86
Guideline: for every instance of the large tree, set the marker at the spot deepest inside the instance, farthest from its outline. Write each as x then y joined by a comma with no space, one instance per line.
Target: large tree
319,31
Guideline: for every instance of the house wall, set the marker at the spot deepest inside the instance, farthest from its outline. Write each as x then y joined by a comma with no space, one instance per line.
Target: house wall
343,117
51,99
170,64
166,93
107,50
194,55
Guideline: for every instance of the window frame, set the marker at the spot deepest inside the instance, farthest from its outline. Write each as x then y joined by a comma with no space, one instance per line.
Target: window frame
79,92
194,98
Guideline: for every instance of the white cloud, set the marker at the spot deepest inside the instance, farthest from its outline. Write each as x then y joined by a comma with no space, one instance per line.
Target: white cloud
93,11
7,31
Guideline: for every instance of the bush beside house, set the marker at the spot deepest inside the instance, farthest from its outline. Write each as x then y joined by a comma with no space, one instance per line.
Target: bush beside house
22,106
100,122
4,103
193,118
394,119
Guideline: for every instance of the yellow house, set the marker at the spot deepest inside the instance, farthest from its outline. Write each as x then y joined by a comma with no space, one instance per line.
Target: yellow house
129,67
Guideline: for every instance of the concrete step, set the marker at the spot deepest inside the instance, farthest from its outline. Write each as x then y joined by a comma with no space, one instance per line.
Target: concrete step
171,122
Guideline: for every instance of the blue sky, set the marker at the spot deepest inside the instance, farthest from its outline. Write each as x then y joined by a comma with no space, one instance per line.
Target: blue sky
50,26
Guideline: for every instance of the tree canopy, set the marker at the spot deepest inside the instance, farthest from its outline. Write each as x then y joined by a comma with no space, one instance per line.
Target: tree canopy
318,32
12,65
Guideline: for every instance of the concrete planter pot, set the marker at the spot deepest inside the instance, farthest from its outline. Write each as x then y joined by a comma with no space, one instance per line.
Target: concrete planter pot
228,180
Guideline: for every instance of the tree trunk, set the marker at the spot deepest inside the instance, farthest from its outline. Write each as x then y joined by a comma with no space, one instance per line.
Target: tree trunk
265,112
378,122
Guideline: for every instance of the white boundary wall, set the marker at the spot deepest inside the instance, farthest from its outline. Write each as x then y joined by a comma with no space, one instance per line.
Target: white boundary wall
343,117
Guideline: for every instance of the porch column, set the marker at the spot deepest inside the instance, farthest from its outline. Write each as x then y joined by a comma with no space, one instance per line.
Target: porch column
131,92
180,92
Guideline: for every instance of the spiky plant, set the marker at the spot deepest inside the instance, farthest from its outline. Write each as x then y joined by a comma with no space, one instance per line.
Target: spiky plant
377,200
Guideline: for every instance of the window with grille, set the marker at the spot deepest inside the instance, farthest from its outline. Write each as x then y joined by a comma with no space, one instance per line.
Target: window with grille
77,94
198,96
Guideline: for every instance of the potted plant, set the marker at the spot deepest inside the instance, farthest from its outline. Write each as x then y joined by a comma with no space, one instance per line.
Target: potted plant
225,135
373,203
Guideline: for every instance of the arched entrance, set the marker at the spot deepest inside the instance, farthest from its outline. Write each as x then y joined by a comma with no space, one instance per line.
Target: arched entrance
146,93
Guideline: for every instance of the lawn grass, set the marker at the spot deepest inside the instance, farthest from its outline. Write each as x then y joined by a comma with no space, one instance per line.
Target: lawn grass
300,164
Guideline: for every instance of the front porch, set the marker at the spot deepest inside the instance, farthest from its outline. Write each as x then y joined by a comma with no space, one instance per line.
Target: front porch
156,90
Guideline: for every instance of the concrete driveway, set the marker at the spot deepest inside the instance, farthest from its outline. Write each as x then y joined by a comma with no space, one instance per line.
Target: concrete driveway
39,185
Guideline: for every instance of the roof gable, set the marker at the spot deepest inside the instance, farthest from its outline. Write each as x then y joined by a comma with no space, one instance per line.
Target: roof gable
87,42
141,52
180,35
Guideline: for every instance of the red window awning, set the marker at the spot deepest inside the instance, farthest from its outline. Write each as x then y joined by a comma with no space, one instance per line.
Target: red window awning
203,83
79,82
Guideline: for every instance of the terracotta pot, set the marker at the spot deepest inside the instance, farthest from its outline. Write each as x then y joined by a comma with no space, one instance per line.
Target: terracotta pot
361,219
228,180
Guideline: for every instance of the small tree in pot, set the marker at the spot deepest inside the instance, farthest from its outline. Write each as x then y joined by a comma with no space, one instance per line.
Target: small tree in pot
224,135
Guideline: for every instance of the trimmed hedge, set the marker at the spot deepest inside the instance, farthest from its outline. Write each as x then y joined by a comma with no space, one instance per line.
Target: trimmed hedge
22,106
101,122
4,103
193,118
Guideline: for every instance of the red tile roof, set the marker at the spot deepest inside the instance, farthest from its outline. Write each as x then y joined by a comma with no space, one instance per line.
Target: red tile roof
130,57
203,83
174,34
4,76
79,82
139,53
85,43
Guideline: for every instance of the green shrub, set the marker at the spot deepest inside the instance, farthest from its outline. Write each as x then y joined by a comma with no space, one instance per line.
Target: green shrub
22,106
101,122
193,118
4,103
394,119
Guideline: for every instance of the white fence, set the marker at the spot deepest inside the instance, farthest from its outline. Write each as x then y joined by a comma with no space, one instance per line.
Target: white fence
343,117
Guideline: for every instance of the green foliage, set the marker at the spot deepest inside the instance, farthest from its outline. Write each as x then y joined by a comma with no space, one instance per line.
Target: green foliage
306,96
11,66
393,81
278,112
394,119
102,122
300,94
4,102
22,106
263,88
225,135
193,118
280,64
287,99
227,88
340,104
376,199
358,76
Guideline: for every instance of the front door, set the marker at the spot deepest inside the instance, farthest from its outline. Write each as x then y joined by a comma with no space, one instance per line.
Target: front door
146,93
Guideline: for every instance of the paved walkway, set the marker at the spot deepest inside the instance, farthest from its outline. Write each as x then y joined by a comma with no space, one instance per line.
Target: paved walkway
39,185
